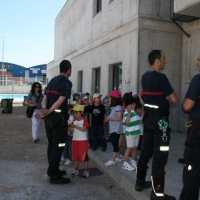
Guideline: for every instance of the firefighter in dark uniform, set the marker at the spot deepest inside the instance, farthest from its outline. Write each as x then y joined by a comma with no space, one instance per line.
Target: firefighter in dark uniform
54,110
191,170
157,95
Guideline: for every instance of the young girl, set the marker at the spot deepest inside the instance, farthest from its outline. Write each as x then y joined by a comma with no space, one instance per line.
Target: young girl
115,125
76,98
107,106
79,142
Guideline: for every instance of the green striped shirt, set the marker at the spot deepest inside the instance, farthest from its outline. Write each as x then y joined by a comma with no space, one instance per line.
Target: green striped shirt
133,127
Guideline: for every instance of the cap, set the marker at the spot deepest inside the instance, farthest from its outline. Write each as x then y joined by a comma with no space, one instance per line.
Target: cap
76,94
87,93
115,94
78,108
96,95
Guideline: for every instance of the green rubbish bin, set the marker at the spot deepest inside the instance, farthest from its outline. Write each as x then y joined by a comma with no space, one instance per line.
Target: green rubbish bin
7,104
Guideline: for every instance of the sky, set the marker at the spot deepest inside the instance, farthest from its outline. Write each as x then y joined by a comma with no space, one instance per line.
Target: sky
27,31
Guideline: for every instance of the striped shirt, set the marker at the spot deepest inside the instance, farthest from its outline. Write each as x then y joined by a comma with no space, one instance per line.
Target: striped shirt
115,126
133,127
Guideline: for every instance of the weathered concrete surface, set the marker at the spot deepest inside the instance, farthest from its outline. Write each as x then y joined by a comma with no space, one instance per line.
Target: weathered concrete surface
23,168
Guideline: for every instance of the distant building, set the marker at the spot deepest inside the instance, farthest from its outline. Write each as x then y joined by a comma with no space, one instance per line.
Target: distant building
21,75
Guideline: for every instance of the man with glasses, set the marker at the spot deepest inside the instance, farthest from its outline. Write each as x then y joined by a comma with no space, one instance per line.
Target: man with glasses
191,170
54,104
157,94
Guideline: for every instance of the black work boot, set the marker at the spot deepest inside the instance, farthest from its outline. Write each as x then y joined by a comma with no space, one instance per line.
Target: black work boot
157,192
59,180
141,184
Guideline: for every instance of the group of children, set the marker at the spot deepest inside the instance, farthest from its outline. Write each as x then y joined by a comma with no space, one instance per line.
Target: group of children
114,119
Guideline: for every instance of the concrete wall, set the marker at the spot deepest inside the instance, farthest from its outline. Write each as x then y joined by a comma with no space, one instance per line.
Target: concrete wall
187,7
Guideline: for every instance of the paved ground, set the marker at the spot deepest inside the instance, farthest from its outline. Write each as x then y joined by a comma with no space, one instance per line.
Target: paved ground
23,168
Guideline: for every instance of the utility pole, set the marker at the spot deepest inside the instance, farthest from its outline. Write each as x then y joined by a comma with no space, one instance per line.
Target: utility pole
3,62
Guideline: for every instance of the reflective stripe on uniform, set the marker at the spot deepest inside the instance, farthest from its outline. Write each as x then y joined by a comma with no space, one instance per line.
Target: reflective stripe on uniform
152,93
61,144
151,106
164,148
157,194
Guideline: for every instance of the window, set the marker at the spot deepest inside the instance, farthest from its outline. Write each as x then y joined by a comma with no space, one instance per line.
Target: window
117,77
80,81
97,80
44,67
99,5
6,66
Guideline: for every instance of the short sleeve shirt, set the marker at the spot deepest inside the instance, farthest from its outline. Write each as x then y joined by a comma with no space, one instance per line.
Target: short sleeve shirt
155,82
97,114
193,94
115,126
33,98
58,86
77,134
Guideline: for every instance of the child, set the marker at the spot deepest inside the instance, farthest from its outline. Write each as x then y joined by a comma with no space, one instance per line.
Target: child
132,133
107,106
87,115
79,142
139,111
76,97
115,125
97,116
67,153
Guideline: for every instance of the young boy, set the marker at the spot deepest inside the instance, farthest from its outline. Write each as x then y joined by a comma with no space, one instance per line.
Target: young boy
139,111
79,141
97,116
87,115
132,133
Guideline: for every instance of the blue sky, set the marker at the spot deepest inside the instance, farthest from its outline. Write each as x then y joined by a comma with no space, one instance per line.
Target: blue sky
28,30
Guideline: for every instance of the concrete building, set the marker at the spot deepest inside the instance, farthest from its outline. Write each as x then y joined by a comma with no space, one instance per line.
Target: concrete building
108,42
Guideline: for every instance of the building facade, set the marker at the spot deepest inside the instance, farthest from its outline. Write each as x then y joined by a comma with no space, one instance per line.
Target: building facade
18,75
108,41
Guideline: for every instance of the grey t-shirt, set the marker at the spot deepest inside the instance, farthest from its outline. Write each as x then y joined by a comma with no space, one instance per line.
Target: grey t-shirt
115,126
32,98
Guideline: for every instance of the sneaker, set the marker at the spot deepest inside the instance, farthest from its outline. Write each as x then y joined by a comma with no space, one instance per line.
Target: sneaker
68,162
109,163
133,163
118,160
75,173
121,156
86,174
62,172
128,167
63,160
59,180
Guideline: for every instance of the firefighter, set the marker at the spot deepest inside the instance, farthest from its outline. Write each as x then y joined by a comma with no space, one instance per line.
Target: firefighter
191,170
158,94
54,110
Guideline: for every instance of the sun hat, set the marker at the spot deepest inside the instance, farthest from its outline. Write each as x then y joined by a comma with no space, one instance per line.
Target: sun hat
78,108
115,94
96,95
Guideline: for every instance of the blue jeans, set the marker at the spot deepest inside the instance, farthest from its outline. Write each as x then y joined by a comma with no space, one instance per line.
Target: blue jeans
98,134
67,153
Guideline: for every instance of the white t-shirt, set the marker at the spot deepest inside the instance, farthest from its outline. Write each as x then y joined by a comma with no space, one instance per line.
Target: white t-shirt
77,134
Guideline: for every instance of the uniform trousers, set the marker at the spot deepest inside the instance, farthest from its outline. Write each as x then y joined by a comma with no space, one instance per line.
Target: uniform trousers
56,132
191,170
151,145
